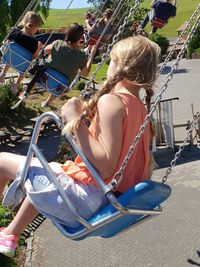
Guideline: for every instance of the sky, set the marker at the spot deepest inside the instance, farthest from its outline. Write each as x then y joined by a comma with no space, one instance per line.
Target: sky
62,4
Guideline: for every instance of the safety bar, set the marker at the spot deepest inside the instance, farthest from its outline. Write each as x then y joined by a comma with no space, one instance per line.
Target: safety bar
33,149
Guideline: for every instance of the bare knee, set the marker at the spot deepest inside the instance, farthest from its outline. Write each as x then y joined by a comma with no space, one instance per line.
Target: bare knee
9,164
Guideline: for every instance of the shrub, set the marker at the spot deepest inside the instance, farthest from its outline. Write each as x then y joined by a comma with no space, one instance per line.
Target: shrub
6,98
81,85
194,43
162,41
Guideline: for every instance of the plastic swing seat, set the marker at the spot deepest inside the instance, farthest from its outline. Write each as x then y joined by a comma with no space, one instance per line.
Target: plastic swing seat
54,81
93,39
158,23
140,202
109,221
16,56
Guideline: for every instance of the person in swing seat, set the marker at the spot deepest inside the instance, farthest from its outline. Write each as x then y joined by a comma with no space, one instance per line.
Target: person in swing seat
162,10
95,30
105,143
24,36
67,57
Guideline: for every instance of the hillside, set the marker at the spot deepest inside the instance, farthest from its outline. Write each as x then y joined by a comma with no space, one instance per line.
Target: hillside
58,18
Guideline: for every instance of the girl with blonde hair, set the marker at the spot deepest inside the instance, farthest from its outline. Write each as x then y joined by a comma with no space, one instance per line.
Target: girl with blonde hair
24,36
116,114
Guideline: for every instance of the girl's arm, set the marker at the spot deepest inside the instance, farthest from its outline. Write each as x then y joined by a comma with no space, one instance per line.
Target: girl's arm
48,48
86,70
89,28
40,45
104,152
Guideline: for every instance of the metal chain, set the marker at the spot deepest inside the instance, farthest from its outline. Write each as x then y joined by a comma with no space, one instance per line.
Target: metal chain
114,40
178,40
153,107
194,124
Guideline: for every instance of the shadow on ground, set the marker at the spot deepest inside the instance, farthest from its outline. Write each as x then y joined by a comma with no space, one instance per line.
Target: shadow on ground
167,70
163,156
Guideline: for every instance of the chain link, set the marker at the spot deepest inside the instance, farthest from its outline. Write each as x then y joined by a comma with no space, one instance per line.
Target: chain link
114,40
194,125
157,100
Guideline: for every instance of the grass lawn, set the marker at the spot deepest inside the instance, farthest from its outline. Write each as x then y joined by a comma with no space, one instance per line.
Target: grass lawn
185,8
58,18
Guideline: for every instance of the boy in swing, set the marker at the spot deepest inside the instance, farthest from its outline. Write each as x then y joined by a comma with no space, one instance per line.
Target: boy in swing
105,143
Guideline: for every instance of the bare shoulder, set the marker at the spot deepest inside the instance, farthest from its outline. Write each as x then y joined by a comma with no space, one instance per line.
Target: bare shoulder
109,99
110,103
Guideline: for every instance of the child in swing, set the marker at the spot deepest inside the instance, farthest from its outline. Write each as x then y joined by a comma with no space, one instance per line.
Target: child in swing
67,58
105,143
163,10
24,36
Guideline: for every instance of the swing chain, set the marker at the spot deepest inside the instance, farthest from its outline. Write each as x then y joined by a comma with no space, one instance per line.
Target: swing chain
189,23
114,40
182,146
153,107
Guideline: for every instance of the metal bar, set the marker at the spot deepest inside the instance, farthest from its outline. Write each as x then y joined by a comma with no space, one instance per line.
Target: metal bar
63,194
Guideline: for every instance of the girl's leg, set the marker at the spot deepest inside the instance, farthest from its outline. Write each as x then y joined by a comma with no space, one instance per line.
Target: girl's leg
24,216
9,164
48,101
3,73
15,85
145,21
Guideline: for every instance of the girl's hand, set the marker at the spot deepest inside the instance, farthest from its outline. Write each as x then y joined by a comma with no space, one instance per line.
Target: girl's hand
71,110
93,50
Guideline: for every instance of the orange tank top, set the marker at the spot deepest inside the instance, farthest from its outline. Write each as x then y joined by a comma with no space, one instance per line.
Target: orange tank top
138,165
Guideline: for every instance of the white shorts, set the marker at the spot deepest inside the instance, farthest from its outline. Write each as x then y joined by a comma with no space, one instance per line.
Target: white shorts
44,196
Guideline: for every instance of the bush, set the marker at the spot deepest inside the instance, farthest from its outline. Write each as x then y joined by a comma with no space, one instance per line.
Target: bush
162,41
194,43
6,98
81,85
198,52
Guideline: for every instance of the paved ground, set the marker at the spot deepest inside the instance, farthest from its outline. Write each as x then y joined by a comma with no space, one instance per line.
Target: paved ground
170,240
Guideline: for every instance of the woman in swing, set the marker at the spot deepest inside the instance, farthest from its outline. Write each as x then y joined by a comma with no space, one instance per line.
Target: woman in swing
105,143
162,10
24,36
66,57
95,30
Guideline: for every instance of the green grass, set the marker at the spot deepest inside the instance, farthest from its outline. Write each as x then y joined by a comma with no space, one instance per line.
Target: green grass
101,73
185,8
60,18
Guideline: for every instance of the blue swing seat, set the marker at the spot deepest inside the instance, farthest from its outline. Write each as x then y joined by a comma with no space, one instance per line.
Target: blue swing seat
146,195
137,204
54,81
16,56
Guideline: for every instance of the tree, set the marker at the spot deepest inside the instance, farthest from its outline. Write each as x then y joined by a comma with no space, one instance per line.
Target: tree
4,21
14,9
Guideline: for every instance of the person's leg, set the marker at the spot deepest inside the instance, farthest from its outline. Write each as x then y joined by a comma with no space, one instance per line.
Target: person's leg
24,216
9,164
3,73
15,85
48,101
145,21
154,30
